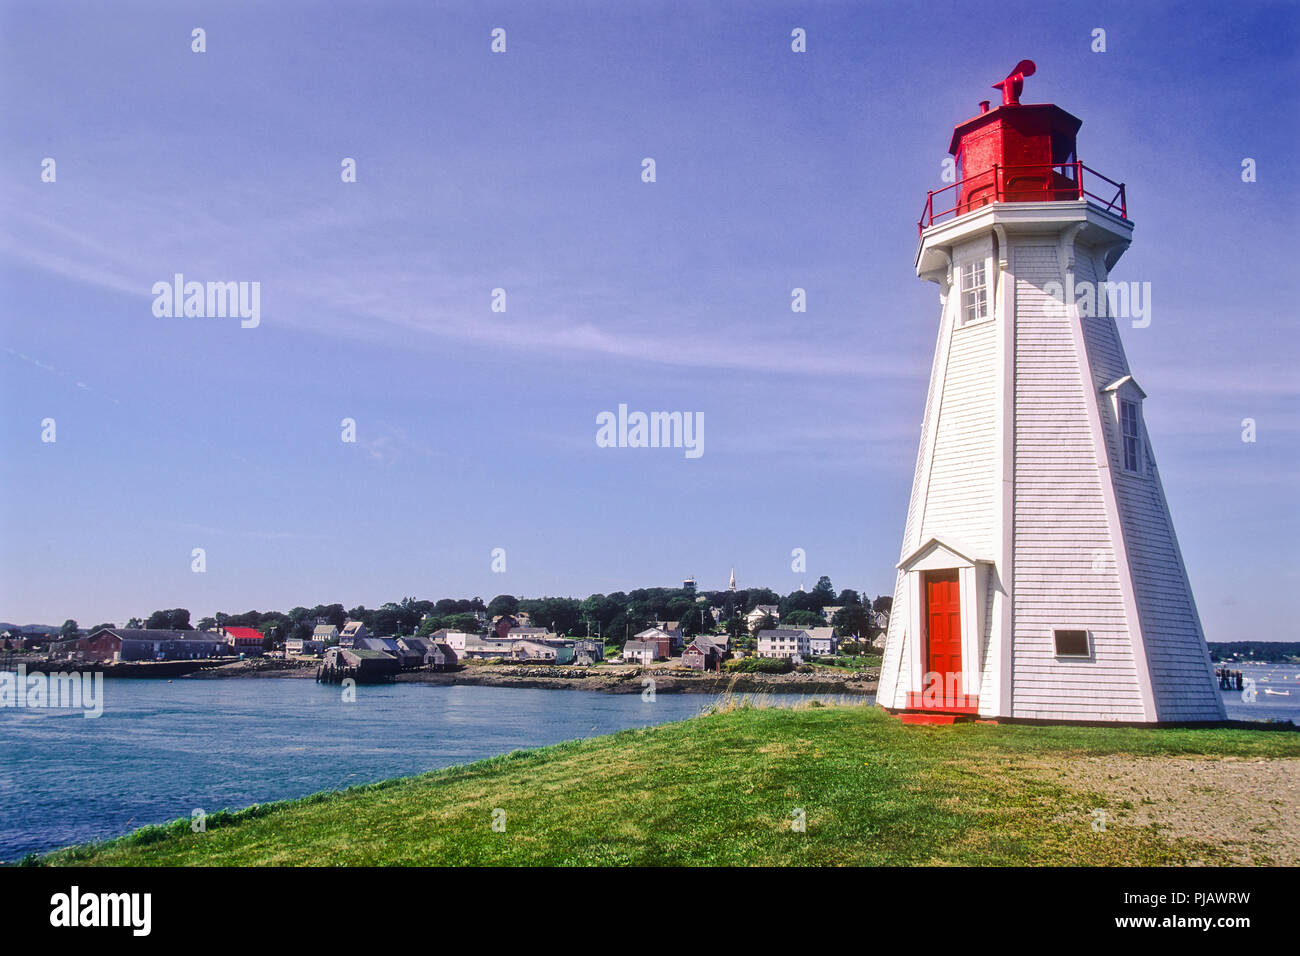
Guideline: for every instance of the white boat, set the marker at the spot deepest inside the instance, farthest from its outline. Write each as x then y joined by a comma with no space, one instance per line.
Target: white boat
1277,693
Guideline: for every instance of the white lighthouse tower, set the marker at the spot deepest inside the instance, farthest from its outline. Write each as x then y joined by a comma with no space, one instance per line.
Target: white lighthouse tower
1040,578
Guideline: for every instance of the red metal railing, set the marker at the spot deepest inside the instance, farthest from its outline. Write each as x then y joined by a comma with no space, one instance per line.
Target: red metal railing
1040,183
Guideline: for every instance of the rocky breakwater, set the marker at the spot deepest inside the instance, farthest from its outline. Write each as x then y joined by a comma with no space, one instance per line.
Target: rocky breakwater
635,680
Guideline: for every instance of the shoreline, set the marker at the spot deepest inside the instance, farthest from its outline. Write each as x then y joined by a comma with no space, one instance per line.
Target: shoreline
665,681
603,679
610,679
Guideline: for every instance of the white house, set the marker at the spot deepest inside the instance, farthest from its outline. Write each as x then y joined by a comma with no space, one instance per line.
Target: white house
1040,577
555,651
456,640
641,652
529,634
352,632
763,610
822,640
325,634
483,648
660,638
783,642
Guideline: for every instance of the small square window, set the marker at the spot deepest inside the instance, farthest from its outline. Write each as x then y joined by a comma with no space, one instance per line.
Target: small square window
1072,643
974,292
1130,435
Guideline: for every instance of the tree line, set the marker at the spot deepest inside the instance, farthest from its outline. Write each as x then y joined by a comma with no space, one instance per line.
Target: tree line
614,617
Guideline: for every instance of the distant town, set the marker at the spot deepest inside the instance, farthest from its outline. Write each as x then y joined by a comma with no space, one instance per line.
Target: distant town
749,629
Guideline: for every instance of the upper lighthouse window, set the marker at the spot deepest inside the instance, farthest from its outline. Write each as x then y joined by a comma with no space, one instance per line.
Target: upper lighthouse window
974,292
1128,421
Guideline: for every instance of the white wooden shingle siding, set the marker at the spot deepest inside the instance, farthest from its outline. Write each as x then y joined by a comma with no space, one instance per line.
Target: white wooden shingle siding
987,688
1065,572
958,499
1029,397
1182,677
891,691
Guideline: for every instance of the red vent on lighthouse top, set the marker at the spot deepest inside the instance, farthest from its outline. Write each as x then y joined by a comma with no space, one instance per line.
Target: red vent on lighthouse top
1016,153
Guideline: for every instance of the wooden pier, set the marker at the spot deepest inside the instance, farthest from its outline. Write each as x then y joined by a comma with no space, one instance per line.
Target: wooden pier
328,674
1229,679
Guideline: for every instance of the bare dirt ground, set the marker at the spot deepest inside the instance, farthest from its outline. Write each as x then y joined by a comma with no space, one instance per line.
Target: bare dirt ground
1248,808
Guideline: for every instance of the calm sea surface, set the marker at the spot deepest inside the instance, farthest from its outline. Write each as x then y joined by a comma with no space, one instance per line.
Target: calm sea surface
1281,705
161,749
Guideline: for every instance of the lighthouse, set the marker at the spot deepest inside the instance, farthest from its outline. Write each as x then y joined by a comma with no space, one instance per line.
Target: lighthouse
1039,577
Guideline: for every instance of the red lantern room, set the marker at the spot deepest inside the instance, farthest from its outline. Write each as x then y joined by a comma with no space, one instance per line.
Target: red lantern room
1016,152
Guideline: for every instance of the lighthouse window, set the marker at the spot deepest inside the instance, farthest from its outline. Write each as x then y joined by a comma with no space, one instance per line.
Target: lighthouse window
1072,644
1128,422
974,292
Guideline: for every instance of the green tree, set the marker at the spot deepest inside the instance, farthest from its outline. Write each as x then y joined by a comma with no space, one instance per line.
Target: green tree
331,613
502,604
753,597
69,629
275,630
563,615
386,620
803,619
177,619
800,601
465,622
699,620
852,619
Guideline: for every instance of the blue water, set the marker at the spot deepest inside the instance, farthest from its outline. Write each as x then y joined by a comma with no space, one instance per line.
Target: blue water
161,749
1278,677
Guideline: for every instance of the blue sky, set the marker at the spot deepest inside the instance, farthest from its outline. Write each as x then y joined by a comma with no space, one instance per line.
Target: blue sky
476,430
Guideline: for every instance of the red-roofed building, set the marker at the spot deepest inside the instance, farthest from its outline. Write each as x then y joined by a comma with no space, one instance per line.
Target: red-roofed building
244,640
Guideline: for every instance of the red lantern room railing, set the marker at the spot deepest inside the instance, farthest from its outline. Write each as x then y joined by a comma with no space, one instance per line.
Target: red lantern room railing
1019,153
1049,182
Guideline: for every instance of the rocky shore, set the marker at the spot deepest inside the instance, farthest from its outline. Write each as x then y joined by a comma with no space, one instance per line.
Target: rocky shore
611,679
263,667
635,680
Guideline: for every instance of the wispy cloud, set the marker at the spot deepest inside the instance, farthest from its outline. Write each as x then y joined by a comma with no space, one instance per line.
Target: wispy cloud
213,531
47,367
388,444
313,283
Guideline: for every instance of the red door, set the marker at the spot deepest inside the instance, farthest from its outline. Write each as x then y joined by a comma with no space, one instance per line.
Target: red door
943,630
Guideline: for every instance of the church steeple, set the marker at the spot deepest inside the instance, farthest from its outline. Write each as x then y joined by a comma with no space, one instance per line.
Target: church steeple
732,585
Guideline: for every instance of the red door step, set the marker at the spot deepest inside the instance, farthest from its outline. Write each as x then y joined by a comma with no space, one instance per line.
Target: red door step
928,718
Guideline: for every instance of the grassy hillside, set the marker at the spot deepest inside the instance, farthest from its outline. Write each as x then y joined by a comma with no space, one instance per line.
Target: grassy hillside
724,789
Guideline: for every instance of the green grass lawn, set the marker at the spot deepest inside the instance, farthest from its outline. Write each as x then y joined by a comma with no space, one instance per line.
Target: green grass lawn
860,663
725,789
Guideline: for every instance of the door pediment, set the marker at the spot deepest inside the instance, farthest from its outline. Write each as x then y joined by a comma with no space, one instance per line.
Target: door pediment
936,555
